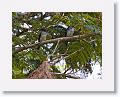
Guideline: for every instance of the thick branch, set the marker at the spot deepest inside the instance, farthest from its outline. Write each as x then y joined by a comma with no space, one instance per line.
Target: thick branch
18,49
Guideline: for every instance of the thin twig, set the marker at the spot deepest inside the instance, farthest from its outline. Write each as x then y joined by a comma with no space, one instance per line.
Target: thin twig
55,47
73,53
53,62
67,75
67,70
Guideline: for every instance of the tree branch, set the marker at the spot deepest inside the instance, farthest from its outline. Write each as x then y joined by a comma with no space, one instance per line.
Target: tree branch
73,53
18,49
67,70
55,48
67,75
56,60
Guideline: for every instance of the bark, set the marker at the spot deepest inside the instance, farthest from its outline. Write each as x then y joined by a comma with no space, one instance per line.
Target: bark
42,72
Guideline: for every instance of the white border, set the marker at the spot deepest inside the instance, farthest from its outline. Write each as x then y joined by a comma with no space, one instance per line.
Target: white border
9,84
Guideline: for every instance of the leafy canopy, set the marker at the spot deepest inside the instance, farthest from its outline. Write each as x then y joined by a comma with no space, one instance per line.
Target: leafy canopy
78,54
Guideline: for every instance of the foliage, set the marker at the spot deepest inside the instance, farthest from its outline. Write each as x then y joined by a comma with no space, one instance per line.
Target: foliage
79,54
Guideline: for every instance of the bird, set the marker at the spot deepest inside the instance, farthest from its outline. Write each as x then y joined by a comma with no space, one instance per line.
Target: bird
42,36
70,31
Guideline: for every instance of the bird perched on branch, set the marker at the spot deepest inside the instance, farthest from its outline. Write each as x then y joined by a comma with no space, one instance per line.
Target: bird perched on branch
70,31
42,36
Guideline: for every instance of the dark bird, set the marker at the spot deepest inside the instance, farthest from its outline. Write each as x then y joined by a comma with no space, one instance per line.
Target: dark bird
70,31
42,36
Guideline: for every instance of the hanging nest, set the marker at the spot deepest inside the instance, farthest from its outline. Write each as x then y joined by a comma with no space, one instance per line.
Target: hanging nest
42,72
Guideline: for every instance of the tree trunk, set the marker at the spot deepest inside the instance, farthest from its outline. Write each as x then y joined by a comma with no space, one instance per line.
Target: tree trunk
42,72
